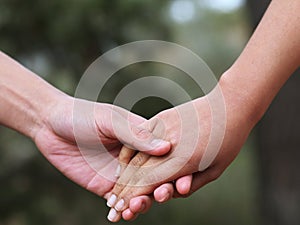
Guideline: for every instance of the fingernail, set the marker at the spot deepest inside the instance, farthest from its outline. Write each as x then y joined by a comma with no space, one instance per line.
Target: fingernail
119,206
166,195
165,198
143,207
112,215
158,142
118,171
111,201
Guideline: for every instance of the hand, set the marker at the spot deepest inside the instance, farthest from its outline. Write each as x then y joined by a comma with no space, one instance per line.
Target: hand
59,124
185,159
162,194
59,144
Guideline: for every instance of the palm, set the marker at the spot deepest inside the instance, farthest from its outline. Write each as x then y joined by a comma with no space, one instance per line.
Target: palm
91,167
85,146
66,157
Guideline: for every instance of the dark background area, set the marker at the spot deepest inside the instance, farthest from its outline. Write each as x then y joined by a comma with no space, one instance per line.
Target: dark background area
59,39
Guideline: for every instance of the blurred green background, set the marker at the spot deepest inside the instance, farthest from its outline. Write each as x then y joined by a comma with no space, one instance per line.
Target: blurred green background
58,39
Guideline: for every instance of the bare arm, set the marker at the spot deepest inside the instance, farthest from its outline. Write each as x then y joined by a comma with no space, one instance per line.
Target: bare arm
24,97
249,86
33,107
268,60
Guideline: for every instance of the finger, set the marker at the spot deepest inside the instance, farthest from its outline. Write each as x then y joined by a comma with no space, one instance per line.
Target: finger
113,215
140,204
135,216
106,195
145,179
200,179
123,199
116,200
128,215
135,137
124,158
137,205
126,154
164,193
183,184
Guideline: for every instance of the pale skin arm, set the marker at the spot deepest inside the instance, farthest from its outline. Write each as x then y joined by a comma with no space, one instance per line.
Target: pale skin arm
36,109
249,86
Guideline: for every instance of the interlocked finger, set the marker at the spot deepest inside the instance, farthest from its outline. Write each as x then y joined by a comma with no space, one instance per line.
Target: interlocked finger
124,158
127,170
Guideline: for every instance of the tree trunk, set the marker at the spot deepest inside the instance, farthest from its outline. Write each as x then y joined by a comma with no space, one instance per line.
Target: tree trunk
278,148
279,141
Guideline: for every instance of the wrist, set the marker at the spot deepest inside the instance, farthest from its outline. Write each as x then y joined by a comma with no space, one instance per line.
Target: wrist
226,115
38,105
25,98
241,101
47,106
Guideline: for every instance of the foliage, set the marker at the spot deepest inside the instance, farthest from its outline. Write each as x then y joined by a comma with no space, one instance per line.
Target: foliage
58,39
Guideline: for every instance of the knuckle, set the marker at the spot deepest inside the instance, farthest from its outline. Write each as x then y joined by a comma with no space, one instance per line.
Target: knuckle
118,187
139,159
141,133
125,155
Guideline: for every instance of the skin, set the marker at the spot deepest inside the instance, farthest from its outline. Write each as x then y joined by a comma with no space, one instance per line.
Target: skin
36,109
249,86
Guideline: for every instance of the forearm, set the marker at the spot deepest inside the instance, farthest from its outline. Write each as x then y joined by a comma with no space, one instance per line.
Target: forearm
270,57
25,99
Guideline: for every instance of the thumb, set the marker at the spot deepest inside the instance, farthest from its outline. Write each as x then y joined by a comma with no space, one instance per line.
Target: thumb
137,137
143,140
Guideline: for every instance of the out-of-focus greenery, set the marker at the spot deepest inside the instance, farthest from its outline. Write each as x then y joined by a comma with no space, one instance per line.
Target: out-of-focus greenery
58,39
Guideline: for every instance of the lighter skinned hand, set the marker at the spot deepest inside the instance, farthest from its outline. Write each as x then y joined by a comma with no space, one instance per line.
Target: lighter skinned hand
145,173
59,144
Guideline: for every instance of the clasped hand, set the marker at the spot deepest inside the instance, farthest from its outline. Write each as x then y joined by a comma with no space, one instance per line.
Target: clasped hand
171,149
188,128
